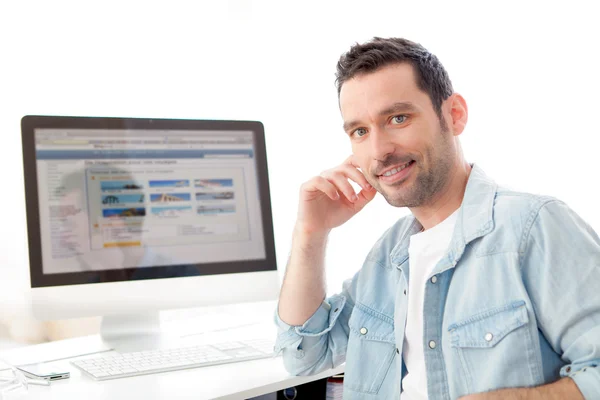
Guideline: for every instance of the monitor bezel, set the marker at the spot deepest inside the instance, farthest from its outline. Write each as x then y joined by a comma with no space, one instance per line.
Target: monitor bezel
38,279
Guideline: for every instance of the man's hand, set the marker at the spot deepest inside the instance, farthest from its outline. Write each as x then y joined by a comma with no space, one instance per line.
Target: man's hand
328,200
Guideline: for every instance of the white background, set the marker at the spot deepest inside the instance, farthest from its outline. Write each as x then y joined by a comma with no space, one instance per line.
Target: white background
529,70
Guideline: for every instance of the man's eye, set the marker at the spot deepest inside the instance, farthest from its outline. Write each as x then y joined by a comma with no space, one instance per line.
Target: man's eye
360,132
399,119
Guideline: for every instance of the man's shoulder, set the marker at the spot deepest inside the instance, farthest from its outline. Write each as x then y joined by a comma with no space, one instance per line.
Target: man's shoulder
511,203
514,213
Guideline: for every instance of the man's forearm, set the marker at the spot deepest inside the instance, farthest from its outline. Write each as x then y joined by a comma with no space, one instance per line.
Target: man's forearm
560,390
303,288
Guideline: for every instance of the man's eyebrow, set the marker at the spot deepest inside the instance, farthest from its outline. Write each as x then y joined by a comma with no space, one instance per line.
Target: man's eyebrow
398,107
394,108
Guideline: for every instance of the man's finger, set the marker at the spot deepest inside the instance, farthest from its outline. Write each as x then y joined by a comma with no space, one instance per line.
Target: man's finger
364,197
351,161
320,184
340,180
356,175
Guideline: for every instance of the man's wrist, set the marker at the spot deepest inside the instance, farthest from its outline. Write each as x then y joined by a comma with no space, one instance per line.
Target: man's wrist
305,234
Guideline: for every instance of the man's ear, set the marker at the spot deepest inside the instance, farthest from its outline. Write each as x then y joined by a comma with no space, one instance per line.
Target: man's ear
459,113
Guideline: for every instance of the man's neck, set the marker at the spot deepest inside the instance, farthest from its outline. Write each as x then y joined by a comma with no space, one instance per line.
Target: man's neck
447,201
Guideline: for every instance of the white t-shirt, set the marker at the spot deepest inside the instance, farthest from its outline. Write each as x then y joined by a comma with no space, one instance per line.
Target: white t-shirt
425,250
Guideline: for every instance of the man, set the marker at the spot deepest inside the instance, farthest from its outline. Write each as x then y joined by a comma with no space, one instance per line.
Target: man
500,299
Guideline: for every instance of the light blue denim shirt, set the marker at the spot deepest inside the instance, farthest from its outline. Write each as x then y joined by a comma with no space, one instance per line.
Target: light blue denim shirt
514,303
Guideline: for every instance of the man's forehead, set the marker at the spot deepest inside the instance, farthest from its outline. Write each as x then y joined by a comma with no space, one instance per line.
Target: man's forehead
380,89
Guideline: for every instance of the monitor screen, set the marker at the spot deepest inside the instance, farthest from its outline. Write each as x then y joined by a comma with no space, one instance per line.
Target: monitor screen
116,199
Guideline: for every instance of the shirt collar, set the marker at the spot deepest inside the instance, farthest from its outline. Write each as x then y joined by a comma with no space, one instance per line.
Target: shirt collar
475,219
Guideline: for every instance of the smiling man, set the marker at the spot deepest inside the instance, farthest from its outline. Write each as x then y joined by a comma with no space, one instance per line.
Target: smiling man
481,293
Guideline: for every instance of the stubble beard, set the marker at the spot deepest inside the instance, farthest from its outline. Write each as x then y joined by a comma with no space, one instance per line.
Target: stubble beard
427,184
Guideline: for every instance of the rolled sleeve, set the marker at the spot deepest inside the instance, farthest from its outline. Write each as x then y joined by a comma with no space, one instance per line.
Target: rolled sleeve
586,376
319,343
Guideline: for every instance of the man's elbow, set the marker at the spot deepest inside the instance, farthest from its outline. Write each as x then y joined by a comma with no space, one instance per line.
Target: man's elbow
302,364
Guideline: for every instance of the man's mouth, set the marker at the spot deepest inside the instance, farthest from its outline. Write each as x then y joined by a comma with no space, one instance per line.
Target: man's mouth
396,170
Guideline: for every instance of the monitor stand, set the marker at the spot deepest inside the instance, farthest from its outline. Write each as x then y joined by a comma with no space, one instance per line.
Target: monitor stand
134,332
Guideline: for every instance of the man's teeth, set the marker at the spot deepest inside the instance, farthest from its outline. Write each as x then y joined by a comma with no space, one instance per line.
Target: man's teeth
396,170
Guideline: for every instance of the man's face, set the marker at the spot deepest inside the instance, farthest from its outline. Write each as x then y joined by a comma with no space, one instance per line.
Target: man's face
397,138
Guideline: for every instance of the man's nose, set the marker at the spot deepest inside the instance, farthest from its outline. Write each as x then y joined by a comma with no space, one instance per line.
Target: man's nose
381,145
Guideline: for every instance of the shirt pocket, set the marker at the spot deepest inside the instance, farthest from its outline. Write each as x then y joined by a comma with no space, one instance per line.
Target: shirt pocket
371,350
495,348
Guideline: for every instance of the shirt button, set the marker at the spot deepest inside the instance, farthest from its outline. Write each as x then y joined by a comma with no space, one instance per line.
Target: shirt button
397,350
363,331
489,337
434,279
432,344
404,291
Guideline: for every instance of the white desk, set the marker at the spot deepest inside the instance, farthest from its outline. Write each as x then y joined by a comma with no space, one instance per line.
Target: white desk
224,382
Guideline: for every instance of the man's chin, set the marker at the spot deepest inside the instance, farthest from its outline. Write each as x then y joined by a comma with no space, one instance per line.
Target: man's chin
400,197
393,198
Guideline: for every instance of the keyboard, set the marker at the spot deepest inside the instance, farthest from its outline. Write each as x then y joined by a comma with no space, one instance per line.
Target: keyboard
172,359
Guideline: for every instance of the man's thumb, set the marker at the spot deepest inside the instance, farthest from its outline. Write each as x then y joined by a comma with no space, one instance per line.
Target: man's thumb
364,197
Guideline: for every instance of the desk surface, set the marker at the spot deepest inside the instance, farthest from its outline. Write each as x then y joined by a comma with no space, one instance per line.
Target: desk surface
240,380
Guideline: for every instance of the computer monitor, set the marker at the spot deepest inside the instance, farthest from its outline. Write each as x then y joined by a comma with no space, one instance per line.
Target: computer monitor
129,216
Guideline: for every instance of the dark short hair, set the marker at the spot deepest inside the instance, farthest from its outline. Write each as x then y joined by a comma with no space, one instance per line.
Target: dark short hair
377,53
